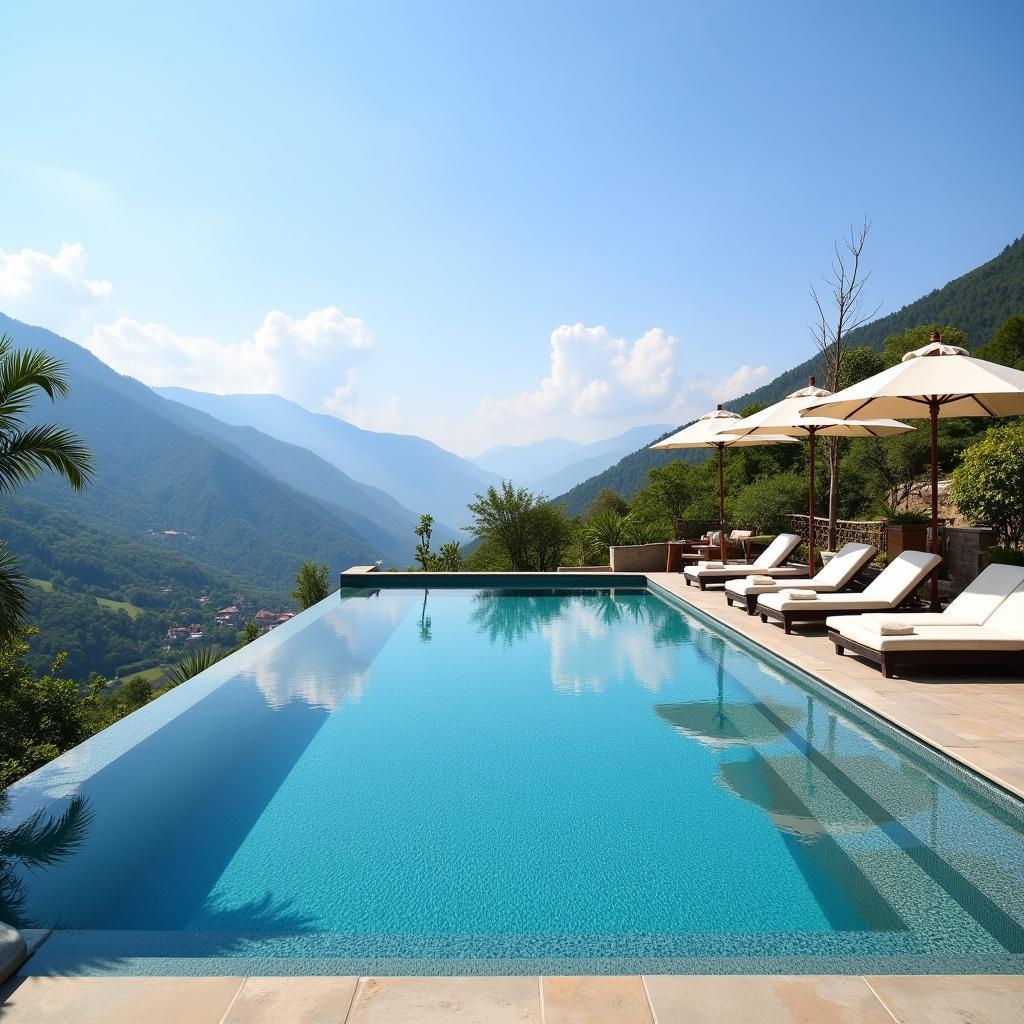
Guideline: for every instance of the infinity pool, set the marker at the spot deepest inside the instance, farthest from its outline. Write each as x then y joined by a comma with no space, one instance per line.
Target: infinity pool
459,781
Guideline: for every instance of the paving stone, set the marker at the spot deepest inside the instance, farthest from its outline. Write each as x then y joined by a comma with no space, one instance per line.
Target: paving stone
48,1000
447,1000
596,1000
995,999
292,1001
764,1000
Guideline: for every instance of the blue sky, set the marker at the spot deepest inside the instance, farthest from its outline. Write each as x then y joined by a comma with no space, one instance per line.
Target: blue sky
491,223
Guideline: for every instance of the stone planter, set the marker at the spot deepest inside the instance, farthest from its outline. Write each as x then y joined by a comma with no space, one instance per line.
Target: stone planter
900,537
639,557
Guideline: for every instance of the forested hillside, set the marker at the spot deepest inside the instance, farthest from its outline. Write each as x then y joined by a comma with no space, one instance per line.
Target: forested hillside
107,601
416,472
977,303
162,485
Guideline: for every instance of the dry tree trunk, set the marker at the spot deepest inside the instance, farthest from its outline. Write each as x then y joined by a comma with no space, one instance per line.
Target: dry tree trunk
846,285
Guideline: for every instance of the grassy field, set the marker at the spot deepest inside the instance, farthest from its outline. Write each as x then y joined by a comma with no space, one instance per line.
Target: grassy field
117,606
151,675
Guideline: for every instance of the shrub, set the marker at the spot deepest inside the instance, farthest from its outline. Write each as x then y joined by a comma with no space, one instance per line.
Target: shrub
530,533
908,518
988,485
1005,556
765,503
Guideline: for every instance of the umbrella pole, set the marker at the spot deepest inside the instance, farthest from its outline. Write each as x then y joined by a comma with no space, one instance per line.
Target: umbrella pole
811,440
721,502
933,409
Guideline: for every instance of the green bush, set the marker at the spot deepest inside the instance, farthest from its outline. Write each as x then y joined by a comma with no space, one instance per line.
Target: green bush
1005,556
908,518
988,485
765,503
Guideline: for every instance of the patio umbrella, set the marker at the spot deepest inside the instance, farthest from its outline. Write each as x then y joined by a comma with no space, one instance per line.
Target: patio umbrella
785,418
712,431
933,381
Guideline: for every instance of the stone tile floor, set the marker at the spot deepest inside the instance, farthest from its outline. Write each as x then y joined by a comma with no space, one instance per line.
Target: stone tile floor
654,999
978,720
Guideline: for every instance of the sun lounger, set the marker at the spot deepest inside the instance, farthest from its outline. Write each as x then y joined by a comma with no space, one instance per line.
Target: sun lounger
893,585
768,563
998,641
839,572
971,607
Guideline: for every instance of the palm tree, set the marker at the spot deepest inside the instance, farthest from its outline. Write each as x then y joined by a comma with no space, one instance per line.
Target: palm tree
25,451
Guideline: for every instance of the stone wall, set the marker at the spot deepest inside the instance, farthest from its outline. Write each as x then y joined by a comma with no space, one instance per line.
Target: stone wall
639,557
965,552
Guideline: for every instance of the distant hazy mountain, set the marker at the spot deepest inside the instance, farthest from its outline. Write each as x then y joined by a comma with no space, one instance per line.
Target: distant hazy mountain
153,474
376,515
417,473
556,464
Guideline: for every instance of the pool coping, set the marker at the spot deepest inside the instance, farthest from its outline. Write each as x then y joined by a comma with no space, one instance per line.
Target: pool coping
664,585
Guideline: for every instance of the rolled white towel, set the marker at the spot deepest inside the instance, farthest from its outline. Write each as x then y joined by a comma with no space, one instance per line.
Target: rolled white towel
887,628
761,581
799,595
711,565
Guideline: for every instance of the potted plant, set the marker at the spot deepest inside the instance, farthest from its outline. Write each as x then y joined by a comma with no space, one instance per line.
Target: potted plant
906,531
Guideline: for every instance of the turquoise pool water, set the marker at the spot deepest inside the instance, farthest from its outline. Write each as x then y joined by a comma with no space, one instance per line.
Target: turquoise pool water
499,781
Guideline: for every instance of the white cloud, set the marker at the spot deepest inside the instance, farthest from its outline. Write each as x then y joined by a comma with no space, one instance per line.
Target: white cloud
745,379
598,384
299,358
52,291
592,374
310,359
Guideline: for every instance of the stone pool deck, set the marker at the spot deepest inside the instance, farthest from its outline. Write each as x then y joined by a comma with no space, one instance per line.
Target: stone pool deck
653,999
977,720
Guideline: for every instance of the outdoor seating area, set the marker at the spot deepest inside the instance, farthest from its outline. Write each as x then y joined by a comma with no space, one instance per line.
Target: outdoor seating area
885,620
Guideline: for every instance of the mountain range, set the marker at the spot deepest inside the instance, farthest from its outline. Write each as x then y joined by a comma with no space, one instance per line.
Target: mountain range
554,465
416,473
246,487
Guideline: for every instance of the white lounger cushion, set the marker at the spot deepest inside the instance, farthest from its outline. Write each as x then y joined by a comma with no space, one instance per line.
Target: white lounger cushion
828,602
850,559
975,604
893,584
937,638
768,562
731,571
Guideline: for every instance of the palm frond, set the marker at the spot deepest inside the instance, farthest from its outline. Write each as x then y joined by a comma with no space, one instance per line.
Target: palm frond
24,453
25,371
191,665
43,839
14,597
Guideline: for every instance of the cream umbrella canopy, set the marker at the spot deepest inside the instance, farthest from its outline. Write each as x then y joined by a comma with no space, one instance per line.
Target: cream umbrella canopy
933,381
712,431
785,418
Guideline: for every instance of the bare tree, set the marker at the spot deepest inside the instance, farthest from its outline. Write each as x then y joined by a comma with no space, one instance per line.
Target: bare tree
839,313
